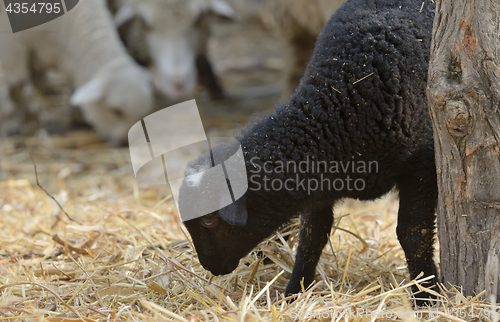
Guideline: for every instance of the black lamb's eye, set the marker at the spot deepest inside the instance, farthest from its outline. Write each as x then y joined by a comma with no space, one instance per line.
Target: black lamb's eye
209,222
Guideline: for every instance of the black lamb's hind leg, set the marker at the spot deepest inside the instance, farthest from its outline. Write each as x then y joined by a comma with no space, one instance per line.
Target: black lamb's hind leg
416,226
314,232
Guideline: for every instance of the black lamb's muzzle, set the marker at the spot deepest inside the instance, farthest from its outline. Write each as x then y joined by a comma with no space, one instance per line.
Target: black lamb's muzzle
219,265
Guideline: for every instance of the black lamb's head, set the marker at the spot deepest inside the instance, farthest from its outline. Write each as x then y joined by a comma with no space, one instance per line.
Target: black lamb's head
214,205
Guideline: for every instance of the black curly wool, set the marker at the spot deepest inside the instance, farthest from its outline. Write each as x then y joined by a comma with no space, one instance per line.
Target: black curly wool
362,99
335,113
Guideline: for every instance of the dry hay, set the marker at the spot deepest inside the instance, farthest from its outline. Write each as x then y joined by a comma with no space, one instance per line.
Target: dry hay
129,258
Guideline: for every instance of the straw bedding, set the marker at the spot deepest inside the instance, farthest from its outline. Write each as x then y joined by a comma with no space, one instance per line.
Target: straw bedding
128,258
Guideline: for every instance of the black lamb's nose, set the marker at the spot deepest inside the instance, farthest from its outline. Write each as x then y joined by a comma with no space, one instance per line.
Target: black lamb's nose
218,265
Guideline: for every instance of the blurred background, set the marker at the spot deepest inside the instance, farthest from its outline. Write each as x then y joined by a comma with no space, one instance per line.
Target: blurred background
247,62
71,89
68,88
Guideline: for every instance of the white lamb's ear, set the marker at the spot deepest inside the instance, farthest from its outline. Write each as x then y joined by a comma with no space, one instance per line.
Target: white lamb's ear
124,14
90,92
235,213
223,9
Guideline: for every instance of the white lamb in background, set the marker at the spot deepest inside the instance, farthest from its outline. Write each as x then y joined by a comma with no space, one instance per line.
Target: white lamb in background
297,24
176,34
112,90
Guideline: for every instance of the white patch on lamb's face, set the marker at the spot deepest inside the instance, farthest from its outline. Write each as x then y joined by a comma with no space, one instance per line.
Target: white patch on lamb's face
195,174
194,180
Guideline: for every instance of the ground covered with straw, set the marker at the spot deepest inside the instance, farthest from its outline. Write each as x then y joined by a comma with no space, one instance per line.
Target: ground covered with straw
125,256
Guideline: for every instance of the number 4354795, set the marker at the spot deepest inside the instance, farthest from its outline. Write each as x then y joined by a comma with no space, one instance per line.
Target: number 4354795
39,7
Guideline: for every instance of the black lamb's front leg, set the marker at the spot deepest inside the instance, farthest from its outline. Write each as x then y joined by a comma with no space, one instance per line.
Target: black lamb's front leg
315,230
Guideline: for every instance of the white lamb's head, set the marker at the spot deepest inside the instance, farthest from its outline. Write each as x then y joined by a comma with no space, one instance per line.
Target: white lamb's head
176,32
115,99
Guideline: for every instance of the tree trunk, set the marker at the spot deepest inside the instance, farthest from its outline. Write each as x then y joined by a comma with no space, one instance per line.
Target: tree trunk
464,95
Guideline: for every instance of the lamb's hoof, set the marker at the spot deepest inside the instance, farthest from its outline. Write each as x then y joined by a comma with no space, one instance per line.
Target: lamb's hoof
293,292
291,297
424,299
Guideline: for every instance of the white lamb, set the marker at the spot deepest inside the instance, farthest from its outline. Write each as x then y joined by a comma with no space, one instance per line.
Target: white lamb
112,90
176,34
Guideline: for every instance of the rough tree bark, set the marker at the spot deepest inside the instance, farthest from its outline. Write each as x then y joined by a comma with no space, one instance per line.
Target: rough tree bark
464,96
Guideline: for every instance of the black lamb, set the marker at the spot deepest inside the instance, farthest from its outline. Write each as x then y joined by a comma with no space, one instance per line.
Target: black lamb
362,100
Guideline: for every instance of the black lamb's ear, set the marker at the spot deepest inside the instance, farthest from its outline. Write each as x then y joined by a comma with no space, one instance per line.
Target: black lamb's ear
235,214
